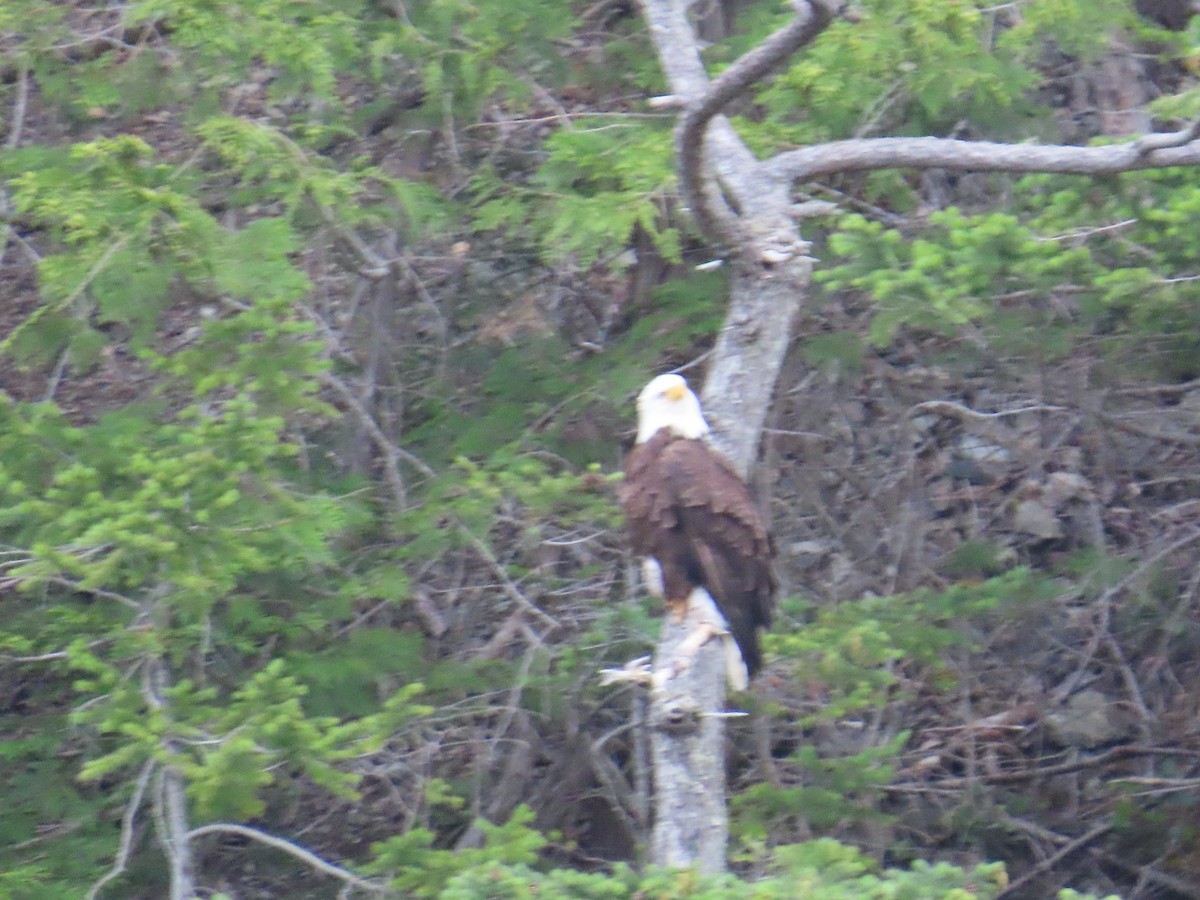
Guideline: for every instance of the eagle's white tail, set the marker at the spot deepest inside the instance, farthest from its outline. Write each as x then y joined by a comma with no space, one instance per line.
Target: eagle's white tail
735,666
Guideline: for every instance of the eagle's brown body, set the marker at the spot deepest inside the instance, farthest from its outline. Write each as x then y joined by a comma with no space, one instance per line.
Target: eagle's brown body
688,510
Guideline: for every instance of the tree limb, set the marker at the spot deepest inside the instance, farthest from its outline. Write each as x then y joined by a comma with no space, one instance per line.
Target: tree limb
810,21
127,823
1152,151
287,846
1111,755
1016,887
485,553
170,802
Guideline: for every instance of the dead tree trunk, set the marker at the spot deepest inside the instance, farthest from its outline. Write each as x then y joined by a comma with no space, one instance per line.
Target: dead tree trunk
687,749
770,272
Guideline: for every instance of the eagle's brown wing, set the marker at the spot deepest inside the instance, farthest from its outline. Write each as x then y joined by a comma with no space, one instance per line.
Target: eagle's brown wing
688,509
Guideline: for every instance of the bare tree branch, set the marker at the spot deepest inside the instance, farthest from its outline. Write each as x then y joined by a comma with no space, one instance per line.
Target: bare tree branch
1047,864
485,553
959,411
287,846
813,18
20,103
1152,151
1077,764
127,823
170,803
727,155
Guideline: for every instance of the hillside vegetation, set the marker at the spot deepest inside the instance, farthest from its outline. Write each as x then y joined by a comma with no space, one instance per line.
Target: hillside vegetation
320,326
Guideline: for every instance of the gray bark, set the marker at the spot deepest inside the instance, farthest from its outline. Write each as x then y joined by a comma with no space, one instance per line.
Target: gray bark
1150,151
745,362
170,797
770,271
687,747
170,800
174,818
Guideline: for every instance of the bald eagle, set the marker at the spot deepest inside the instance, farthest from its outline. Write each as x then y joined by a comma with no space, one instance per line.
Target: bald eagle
693,520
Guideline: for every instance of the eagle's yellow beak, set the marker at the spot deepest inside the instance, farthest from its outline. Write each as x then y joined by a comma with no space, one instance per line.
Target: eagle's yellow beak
675,392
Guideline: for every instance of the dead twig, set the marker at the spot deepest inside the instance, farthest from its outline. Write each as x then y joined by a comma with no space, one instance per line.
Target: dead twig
1104,608
1148,143
1189,440
959,411
306,856
1090,762
485,552
20,104
127,823
1054,859
392,453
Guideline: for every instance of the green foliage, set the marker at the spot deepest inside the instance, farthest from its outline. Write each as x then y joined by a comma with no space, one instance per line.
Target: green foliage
847,650
601,180
921,66
1032,279
522,883
271,167
163,520
473,498
303,44
127,228
414,866
137,539
977,559
823,870
41,791
156,520
191,502
463,53
348,678
949,277
837,791
828,870
854,655
842,350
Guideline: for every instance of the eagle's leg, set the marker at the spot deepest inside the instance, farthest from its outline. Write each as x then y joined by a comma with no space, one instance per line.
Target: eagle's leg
640,671
704,632
711,624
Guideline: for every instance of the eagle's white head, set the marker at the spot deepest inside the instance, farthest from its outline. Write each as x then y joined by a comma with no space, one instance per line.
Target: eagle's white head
668,402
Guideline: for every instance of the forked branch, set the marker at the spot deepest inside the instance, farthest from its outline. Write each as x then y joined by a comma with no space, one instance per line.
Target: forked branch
811,19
